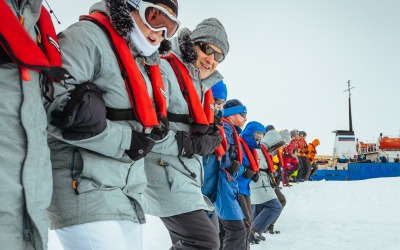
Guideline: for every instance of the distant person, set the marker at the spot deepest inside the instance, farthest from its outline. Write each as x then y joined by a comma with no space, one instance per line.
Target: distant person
250,142
291,163
312,151
233,234
29,61
302,151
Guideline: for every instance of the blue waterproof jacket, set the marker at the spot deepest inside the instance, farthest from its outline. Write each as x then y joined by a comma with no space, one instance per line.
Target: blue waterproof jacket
227,204
248,136
211,171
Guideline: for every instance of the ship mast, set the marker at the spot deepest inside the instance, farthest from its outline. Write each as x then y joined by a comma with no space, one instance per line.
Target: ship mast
350,119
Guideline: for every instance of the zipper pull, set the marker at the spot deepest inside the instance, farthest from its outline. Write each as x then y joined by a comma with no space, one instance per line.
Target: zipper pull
21,20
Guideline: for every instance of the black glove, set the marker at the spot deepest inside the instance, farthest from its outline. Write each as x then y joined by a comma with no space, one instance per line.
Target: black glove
307,152
162,129
275,174
84,115
213,130
276,146
256,176
234,167
248,173
141,144
189,145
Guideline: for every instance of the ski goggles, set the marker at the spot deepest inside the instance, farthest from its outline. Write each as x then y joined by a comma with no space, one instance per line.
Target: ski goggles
206,49
244,115
157,18
219,101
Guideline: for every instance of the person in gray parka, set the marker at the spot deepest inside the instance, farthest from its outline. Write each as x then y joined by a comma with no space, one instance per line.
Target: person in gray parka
98,164
265,204
174,166
25,168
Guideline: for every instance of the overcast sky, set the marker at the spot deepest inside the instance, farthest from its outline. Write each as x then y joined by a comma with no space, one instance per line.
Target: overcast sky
290,60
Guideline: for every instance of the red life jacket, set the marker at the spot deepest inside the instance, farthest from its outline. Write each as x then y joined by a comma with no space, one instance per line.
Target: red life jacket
280,158
201,116
252,156
142,105
268,158
27,53
236,139
221,149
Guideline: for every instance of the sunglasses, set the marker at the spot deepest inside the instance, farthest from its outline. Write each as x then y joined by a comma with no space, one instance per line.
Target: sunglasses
219,101
206,49
244,115
157,18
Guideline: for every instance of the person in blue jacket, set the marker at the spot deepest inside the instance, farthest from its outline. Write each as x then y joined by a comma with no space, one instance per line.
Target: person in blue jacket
211,162
252,135
232,229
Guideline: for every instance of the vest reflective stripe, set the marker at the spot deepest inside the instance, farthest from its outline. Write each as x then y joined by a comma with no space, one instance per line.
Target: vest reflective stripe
236,139
141,102
252,156
24,51
268,159
202,115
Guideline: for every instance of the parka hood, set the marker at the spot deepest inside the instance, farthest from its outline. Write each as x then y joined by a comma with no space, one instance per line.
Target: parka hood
248,133
315,142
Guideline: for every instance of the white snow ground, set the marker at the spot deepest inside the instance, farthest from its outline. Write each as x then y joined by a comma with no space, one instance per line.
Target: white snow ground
319,215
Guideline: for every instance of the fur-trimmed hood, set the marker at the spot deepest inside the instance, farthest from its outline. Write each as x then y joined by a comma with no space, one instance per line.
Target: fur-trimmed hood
118,12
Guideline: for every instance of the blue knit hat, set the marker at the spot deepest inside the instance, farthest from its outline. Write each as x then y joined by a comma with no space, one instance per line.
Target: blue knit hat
233,107
219,91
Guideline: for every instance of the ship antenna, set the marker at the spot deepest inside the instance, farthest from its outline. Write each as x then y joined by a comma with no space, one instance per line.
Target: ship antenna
350,119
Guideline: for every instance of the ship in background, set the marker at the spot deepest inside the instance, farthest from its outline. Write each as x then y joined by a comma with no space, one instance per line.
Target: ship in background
348,149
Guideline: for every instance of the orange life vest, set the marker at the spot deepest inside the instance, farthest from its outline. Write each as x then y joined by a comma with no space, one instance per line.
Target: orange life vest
142,105
201,116
268,158
43,55
252,156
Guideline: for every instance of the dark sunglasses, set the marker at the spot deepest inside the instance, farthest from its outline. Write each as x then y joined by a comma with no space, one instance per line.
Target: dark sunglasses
244,115
206,49
219,101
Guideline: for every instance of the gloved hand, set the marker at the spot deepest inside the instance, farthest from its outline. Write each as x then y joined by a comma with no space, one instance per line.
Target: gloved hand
189,145
84,115
248,173
141,144
161,130
307,152
256,176
275,174
234,167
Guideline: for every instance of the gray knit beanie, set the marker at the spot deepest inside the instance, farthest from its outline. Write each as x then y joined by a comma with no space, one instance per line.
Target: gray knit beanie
213,32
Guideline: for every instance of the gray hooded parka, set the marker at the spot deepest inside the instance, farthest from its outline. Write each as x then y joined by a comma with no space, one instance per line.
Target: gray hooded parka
25,169
171,188
110,184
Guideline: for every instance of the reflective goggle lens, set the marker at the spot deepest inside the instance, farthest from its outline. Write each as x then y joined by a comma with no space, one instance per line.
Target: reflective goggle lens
158,18
219,101
206,48
244,115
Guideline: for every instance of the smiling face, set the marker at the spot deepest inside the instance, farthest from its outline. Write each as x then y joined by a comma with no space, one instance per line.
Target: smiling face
206,63
153,37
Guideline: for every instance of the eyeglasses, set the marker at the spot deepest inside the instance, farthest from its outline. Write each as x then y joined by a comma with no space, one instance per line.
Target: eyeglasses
219,102
244,115
206,49
157,18
258,136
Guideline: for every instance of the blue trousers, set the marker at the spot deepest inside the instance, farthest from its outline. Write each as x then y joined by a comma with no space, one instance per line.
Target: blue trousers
264,214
